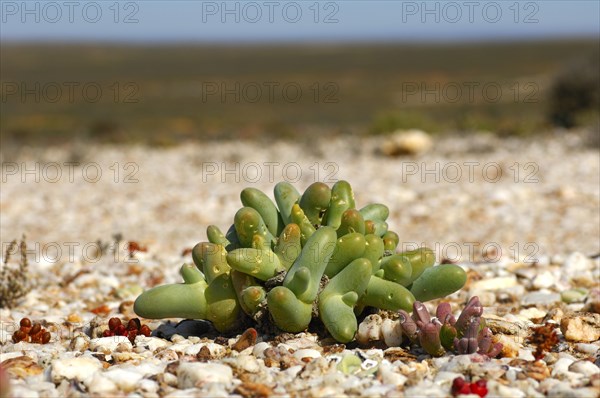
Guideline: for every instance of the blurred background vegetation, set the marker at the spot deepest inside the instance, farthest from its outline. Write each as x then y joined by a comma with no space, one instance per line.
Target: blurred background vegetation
165,95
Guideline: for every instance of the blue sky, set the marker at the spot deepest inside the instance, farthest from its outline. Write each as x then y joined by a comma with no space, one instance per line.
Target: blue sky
347,20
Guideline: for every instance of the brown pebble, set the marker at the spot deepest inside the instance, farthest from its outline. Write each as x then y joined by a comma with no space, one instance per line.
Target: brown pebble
101,310
74,318
253,390
582,326
22,367
334,348
537,370
247,339
126,308
204,354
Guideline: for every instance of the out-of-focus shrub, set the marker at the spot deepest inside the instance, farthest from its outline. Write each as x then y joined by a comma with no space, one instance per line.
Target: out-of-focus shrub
388,121
575,90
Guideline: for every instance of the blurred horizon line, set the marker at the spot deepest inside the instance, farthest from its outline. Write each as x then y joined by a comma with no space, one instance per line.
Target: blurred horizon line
302,42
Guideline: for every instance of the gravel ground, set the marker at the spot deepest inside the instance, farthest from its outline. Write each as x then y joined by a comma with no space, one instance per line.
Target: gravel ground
521,216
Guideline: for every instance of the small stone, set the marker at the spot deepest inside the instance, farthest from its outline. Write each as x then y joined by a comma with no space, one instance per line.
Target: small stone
376,390
566,355
74,318
166,355
532,313
148,387
369,329
514,291
509,325
509,392
446,378
458,364
109,344
561,366
526,355
80,343
536,370
389,376
528,273
574,295
595,380
502,282
214,390
325,391
247,339
123,347
259,349
544,280
169,379
427,390
553,315
349,364
101,385
245,363
510,347
307,353
511,374
586,348
538,298
44,388
576,262
582,327
22,367
564,389
592,303
195,374
409,142
149,343
179,339
17,390
548,384
125,379
486,298
257,390
216,350
129,292
391,331
585,368
80,368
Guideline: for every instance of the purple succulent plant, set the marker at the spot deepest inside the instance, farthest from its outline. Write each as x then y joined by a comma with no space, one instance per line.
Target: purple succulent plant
473,309
465,335
409,326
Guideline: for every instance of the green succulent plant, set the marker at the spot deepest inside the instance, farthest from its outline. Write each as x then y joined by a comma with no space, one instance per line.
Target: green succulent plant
307,254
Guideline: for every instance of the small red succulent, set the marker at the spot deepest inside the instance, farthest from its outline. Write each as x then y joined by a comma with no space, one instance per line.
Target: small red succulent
460,386
31,333
133,328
